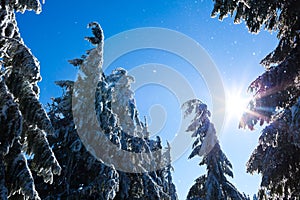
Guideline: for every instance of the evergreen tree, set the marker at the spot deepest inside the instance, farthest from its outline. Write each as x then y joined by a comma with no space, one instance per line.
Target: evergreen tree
213,185
83,176
275,95
134,137
23,121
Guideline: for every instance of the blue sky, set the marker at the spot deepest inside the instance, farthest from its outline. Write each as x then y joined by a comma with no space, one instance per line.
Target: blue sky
56,35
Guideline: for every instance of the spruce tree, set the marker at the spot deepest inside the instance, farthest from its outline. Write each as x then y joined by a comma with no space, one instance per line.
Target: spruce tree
275,94
214,184
83,175
24,123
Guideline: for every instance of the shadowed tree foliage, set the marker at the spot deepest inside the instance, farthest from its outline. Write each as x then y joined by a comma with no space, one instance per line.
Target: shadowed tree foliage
213,185
83,176
23,121
275,94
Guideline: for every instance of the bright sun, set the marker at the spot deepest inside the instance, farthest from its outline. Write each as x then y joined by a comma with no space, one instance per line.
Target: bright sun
235,105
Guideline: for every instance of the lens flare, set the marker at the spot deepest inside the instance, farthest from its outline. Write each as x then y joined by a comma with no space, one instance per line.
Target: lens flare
236,104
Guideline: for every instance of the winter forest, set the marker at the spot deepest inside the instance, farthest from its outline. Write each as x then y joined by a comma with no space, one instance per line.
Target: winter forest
91,142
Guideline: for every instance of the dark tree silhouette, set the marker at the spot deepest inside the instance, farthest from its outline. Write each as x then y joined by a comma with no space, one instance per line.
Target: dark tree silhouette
275,94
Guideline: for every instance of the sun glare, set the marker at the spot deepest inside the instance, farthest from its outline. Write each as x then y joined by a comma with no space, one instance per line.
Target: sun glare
236,105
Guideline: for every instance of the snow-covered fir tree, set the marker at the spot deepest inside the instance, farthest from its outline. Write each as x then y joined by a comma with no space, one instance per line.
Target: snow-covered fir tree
134,137
275,95
83,176
23,121
214,184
